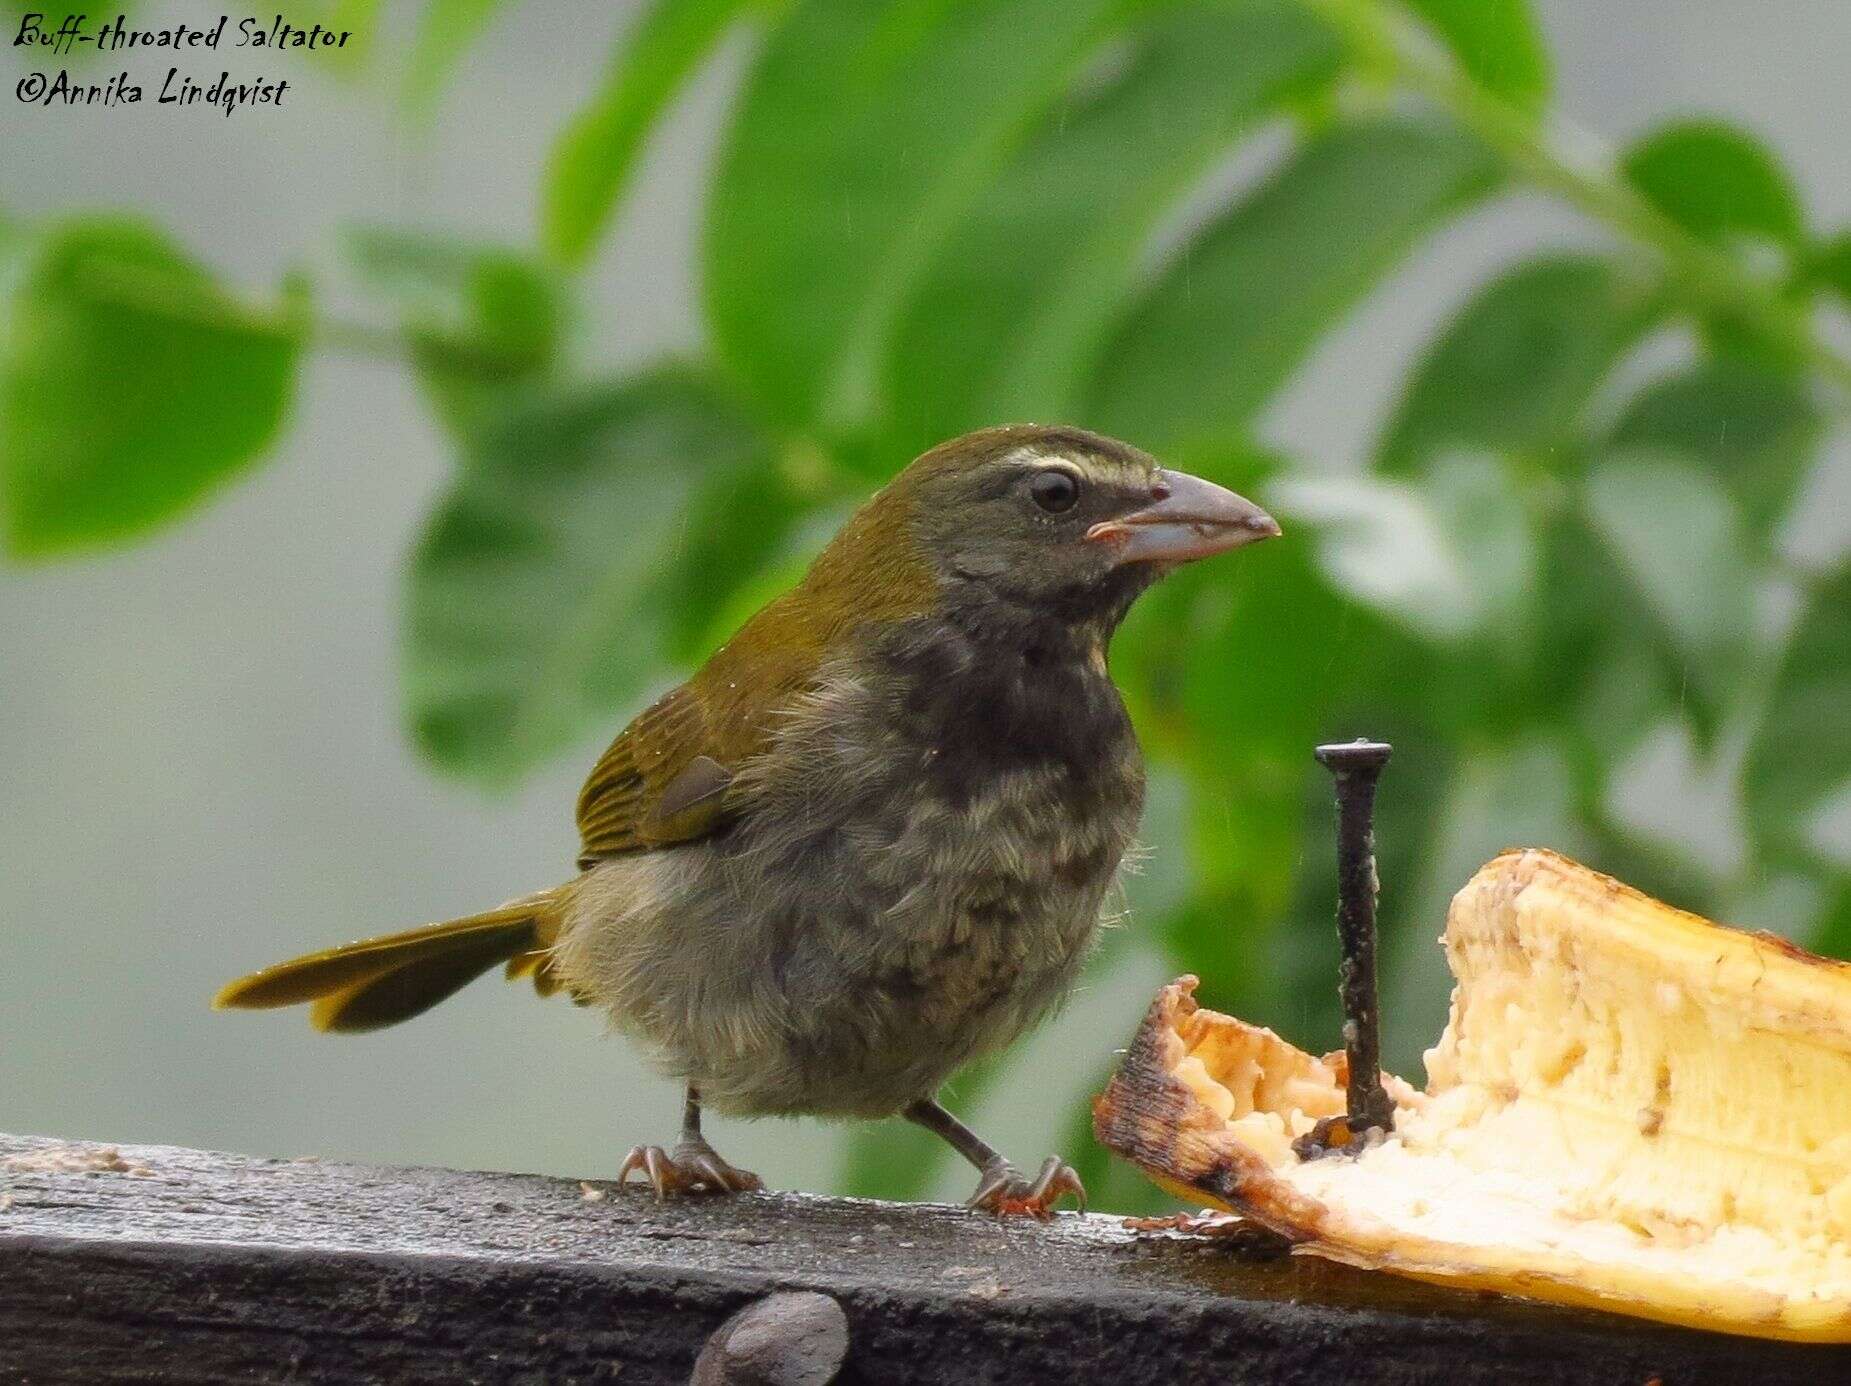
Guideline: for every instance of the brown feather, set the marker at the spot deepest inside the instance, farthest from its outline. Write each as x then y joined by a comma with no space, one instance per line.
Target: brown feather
726,712
407,990
504,932
537,964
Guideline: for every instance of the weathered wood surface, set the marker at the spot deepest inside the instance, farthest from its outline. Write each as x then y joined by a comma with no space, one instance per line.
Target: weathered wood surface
155,1265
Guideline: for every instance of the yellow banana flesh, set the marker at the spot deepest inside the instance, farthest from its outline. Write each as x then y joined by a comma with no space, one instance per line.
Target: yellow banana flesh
1631,1108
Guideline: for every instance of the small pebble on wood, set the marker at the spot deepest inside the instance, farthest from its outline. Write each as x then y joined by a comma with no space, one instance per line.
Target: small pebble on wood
795,1338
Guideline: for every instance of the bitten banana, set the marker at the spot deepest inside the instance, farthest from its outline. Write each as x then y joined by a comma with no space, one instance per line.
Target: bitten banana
1631,1109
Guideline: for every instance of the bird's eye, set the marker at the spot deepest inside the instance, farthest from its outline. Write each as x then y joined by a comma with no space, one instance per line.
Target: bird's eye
1055,490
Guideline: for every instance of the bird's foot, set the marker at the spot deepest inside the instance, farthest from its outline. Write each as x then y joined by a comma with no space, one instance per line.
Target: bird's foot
693,1167
1004,1192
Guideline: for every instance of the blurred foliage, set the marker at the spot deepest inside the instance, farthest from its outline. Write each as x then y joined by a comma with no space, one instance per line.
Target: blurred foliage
1567,554
446,31
535,588
482,325
193,384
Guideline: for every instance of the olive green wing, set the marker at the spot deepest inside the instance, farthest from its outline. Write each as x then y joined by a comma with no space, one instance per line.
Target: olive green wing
667,776
661,781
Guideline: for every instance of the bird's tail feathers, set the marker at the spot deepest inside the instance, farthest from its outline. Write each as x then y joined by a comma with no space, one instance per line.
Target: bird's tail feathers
381,981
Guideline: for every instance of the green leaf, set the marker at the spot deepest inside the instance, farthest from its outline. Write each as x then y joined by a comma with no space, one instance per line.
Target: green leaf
863,133
1589,668
15,248
484,322
1379,542
592,160
535,604
1513,375
1830,266
358,19
1513,372
1492,535
446,31
1012,314
1446,558
1226,691
1222,684
1802,750
739,530
1832,934
1679,538
1235,312
1717,182
1157,879
1497,42
1755,429
130,385
1828,826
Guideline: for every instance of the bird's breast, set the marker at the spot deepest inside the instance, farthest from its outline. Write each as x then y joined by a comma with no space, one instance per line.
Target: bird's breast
913,877
953,819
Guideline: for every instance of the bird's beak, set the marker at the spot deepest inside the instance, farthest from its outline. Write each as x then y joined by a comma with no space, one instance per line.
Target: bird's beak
1189,519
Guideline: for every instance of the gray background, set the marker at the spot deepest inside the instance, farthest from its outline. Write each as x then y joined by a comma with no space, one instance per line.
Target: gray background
201,764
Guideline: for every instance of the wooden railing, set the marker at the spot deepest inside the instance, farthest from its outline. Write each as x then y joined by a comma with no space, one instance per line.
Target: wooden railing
151,1264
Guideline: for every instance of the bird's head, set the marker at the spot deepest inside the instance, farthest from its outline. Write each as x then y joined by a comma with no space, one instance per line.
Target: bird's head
1057,522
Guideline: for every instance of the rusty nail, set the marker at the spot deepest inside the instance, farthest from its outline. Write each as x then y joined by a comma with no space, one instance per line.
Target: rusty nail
1356,766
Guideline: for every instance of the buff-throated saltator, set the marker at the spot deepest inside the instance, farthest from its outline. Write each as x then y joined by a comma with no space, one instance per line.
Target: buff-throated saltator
871,838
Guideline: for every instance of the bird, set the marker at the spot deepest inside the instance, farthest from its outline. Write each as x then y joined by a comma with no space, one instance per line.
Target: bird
873,836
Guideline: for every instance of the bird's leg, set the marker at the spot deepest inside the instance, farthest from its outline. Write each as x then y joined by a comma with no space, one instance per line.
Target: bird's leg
693,1166
692,1151
1000,1188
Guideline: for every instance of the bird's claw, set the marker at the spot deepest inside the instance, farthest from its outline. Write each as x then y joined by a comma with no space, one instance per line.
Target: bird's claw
719,1173
693,1167
1006,1193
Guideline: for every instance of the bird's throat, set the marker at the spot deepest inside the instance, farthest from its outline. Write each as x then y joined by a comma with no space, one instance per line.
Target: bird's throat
978,704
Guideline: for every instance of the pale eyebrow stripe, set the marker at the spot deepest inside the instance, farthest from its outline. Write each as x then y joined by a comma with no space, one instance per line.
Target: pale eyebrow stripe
1034,457
1031,455
1099,470
1028,456
1096,469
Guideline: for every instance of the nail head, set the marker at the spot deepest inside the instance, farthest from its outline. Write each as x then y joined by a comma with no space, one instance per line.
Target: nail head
1360,754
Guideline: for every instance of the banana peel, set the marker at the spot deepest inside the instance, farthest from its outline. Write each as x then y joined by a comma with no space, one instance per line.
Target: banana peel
1631,1109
